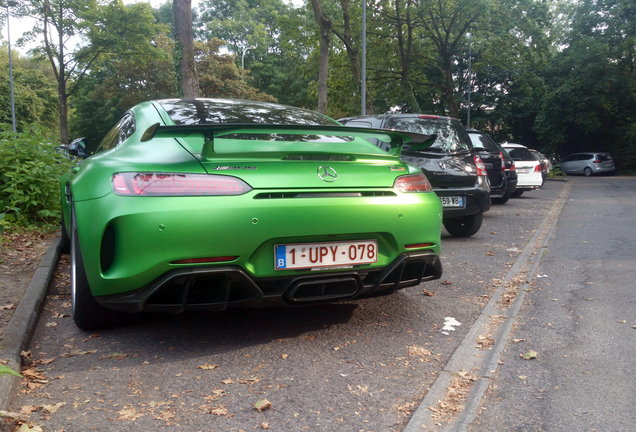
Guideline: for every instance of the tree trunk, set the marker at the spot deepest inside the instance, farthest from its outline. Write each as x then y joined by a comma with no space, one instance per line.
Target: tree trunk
325,26
404,48
448,90
184,51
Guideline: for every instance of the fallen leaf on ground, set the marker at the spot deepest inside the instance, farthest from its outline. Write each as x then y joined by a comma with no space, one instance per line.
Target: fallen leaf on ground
622,321
446,282
219,410
284,356
485,342
529,355
228,381
208,366
76,352
60,315
251,380
51,324
489,253
518,340
53,407
264,425
428,293
262,405
417,351
7,307
115,355
28,409
25,428
129,413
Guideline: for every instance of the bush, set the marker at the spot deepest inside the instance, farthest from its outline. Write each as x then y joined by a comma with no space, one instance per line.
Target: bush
30,170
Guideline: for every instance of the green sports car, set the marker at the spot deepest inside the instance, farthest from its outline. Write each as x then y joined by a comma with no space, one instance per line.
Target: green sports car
191,204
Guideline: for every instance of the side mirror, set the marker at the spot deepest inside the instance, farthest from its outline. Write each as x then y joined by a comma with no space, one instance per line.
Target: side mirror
77,147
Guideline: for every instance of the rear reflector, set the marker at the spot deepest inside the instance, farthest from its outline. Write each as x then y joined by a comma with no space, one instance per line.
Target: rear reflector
169,184
413,183
417,245
205,260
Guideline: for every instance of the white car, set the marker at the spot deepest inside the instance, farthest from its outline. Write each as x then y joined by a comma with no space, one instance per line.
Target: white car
527,166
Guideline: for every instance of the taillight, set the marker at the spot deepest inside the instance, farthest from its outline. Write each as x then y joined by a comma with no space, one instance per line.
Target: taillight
537,168
512,167
428,116
481,166
168,184
503,162
413,183
596,161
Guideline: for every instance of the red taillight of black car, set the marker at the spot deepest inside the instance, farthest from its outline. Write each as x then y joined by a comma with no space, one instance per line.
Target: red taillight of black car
503,162
481,166
413,183
170,184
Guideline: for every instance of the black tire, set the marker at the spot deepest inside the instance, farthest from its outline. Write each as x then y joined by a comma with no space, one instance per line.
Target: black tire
464,226
87,313
587,171
65,240
518,193
502,200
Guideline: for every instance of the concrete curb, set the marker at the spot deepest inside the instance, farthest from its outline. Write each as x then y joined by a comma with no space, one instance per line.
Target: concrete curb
484,363
18,334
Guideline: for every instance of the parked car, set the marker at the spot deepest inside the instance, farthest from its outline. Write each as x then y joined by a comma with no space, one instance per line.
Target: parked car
211,203
493,156
545,163
527,166
511,175
457,174
587,163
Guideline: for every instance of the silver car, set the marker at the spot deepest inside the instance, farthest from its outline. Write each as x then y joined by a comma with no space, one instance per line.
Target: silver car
587,163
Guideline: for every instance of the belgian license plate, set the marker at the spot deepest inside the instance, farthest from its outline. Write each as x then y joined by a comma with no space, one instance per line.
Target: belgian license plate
452,201
333,254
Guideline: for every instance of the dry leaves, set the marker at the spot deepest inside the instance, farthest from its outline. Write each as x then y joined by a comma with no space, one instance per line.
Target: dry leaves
262,405
115,355
456,393
529,355
76,352
53,407
7,307
428,293
208,366
485,342
417,351
129,413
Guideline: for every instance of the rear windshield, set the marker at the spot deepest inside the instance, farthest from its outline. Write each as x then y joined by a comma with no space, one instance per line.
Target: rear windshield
521,154
451,138
604,157
223,111
482,142
216,111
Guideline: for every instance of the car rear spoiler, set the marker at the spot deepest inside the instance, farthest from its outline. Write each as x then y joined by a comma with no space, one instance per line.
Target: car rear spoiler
210,131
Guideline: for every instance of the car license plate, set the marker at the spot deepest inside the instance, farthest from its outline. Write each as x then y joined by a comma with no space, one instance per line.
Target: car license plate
452,201
314,255
523,171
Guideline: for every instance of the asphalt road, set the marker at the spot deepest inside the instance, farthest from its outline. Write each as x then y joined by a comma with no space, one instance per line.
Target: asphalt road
580,321
358,366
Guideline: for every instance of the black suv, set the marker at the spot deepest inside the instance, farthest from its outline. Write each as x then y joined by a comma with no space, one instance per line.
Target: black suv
457,174
500,166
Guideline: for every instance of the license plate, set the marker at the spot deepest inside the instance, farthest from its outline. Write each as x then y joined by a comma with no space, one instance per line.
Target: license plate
452,201
333,254
523,171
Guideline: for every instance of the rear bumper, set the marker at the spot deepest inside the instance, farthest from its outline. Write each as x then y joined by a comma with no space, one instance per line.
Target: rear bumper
219,288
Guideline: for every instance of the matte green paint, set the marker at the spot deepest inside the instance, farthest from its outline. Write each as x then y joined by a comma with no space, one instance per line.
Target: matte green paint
153,232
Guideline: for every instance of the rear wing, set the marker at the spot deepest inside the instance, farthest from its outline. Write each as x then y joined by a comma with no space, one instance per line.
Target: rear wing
210,131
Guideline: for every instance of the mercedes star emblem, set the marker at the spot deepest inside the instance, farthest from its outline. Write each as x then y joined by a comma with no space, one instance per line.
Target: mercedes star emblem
327,174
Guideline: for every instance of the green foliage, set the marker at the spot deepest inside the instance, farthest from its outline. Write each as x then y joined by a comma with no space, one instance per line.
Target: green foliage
30,169
6,370
35,91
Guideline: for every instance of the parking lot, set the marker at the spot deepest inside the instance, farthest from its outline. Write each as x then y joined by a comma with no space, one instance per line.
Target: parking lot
362,365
